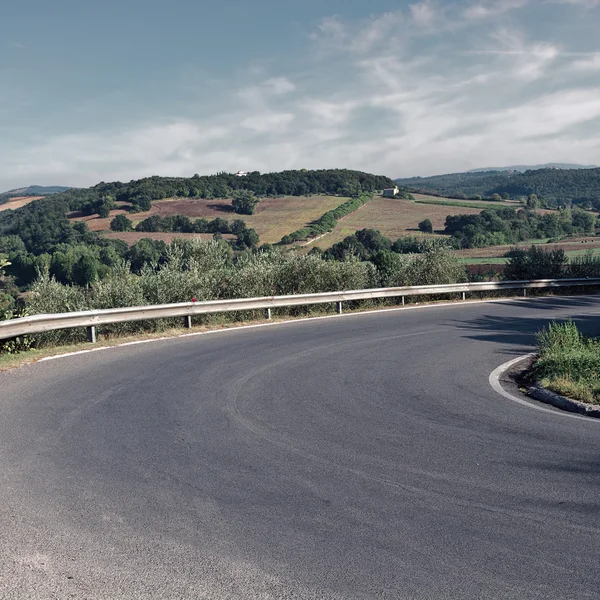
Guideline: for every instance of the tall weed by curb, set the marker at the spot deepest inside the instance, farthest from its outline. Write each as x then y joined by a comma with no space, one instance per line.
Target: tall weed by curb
569,362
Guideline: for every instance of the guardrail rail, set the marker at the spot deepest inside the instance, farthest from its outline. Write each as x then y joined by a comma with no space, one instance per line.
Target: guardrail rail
93,318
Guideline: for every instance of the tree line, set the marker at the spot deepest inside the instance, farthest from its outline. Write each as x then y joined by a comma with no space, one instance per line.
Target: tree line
503,226
246,237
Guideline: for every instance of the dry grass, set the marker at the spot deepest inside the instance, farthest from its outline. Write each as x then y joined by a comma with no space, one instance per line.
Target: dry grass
394,218
18,202
274,218
277,217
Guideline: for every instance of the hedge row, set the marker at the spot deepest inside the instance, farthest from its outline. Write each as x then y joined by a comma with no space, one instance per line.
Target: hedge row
327,221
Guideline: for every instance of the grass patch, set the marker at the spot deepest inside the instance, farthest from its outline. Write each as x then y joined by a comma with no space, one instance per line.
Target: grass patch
467,203
569,362
500,260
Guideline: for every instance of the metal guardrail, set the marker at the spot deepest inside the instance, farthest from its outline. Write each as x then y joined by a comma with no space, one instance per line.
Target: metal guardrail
93,318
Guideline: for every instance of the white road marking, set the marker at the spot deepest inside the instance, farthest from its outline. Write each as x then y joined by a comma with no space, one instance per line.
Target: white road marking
74,353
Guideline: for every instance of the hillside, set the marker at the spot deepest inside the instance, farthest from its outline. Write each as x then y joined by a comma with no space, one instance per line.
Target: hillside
556,186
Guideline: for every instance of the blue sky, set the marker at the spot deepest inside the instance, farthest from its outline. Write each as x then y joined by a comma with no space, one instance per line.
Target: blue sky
93,91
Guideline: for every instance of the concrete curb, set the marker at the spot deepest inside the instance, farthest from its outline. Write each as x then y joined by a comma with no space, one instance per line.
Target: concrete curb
549,397
572,408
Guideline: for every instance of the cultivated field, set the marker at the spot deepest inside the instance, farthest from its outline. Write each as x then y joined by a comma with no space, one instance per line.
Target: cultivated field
131,237
572,246
18,201
394,218
424,198
274,217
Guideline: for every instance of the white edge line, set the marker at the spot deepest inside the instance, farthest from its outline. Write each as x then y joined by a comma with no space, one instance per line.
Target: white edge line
495,383
286,322
73,353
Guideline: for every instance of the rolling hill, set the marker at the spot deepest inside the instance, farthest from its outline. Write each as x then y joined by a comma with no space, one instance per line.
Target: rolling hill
37,190
32,191
556,186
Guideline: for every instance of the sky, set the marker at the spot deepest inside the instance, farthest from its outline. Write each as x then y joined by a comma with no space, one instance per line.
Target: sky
124,89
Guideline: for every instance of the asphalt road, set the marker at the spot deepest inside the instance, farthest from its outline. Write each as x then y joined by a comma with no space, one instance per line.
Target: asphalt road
355,457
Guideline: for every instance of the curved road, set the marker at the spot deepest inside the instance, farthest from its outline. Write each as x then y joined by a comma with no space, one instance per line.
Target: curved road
357,457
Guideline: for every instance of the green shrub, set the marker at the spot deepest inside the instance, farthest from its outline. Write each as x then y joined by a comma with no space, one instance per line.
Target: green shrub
587,265
426,226
436,266
535,263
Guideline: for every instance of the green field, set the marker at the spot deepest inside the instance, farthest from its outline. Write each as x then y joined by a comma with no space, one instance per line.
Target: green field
501,260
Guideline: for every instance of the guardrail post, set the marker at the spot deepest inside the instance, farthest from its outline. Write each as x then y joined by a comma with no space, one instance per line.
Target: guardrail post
188,322
91,334
402,300
338,308
464,295
524,292
267,313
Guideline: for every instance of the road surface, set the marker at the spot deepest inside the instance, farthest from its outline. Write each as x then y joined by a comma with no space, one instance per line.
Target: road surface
354,457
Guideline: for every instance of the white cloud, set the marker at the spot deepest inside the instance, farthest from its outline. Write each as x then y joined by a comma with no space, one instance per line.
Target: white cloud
423,13
279,85
591,63
484,10
268,122
584,3
258,95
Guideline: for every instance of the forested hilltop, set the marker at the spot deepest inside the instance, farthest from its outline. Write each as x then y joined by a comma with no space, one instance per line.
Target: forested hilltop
142,192
556,186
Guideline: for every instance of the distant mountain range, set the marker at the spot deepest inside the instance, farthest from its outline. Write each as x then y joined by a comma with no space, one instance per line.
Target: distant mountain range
36,190
523,168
